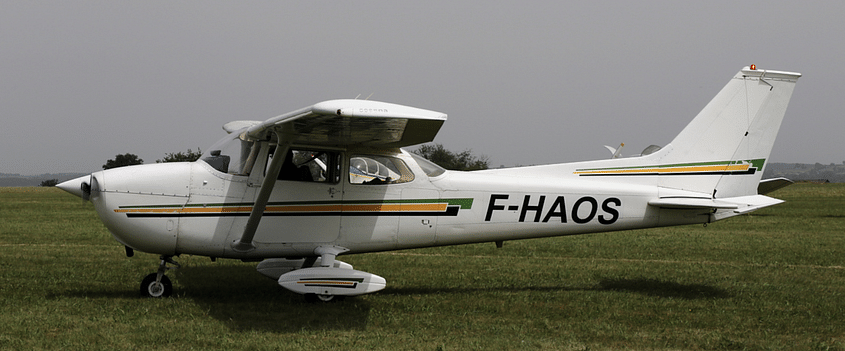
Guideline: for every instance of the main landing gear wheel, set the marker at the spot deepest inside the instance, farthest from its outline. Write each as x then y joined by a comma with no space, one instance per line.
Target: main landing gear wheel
311,298
157,284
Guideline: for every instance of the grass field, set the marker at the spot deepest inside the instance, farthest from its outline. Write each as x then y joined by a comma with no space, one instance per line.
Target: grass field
771,280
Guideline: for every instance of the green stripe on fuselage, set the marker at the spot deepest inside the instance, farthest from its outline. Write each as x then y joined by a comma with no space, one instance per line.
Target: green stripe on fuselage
758,163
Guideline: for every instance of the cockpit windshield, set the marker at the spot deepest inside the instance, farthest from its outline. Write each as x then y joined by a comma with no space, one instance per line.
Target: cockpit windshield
232,155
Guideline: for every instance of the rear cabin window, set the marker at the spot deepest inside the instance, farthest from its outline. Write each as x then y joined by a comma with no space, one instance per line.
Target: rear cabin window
430,168
374,170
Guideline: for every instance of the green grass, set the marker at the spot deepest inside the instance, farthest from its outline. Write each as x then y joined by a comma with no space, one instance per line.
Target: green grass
771,280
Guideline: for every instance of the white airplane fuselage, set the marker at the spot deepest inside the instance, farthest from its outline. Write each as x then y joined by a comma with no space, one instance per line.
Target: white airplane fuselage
191,208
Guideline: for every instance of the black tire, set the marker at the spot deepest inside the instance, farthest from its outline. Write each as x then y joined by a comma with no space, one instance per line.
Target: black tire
149,287
326,298
315,298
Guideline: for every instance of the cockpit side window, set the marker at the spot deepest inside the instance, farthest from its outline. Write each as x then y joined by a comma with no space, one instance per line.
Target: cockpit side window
309,165
373,169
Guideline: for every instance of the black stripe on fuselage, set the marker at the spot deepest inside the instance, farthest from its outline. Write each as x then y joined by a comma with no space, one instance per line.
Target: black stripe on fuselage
450,211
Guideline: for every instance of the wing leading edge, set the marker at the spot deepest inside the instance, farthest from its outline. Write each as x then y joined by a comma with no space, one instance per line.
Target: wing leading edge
348,122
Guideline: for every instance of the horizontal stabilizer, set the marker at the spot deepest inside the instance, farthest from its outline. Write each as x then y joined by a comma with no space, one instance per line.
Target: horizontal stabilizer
739,204
724,208
746,204
691,202
769,185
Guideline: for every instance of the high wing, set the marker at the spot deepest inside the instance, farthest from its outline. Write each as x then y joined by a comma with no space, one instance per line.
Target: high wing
333,123
348,122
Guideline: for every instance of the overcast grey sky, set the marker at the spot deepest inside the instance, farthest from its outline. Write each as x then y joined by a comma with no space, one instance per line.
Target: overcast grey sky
523,83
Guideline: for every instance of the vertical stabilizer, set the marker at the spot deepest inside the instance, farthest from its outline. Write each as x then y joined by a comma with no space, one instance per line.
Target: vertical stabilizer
720,154
724,149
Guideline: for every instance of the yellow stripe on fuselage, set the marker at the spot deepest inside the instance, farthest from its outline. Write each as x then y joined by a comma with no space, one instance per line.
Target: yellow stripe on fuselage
687,169
295,208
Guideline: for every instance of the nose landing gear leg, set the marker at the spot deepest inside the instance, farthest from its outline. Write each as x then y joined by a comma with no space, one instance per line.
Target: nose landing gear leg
157,284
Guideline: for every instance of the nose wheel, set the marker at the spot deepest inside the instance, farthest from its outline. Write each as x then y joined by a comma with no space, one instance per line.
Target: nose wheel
157,284
152,286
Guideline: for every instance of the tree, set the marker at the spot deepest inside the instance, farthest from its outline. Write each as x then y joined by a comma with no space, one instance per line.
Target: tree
49,182
123,160
462,161
188,156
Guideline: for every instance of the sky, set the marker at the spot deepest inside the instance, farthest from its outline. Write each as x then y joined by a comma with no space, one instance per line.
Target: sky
523,83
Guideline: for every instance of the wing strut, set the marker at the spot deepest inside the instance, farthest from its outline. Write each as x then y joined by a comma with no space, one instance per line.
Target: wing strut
245,242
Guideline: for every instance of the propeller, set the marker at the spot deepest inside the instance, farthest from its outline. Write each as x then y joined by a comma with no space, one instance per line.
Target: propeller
79,186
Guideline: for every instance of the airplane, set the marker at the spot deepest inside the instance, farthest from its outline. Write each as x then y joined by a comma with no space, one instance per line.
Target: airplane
298,190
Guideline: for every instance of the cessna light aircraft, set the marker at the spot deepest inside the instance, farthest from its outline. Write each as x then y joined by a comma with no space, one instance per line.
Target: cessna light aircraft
298,190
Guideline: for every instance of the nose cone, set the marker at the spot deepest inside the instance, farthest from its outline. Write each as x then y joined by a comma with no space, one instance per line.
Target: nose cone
80,186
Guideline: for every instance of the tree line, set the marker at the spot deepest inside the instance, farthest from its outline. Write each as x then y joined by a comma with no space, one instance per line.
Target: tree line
128,159
437,153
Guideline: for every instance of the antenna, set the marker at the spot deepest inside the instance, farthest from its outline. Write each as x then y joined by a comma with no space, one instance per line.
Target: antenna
615,153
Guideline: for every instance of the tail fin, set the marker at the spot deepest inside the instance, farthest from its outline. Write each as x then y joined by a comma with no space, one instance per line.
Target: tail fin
721,152
727,145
